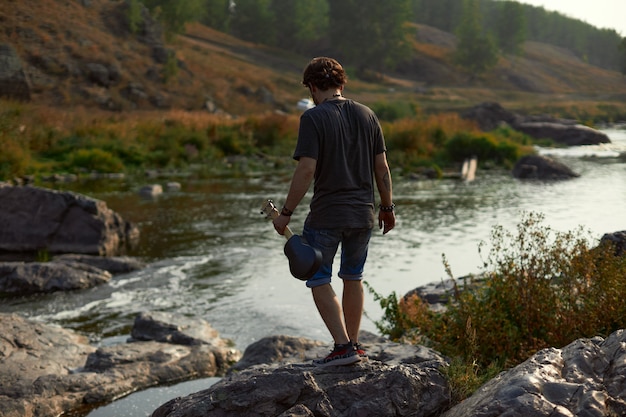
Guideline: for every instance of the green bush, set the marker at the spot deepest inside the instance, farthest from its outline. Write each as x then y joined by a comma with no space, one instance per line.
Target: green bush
485,147
272,133
94,160
394,110
15,155
539,288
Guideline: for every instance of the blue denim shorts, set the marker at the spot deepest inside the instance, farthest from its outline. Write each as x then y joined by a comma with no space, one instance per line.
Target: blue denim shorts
354,245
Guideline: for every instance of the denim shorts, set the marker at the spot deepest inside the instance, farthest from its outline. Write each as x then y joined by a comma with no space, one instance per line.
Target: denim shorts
354,245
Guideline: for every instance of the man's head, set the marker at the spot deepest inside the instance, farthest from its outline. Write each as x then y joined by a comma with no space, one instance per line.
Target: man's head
324,73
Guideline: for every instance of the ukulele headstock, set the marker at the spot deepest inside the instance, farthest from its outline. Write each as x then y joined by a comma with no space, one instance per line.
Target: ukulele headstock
270,210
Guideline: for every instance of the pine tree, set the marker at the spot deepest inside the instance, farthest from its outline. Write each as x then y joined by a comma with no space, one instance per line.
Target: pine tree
370,34
510,27
476,51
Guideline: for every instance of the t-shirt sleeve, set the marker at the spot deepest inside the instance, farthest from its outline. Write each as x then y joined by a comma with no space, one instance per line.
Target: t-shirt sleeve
379,138
308,139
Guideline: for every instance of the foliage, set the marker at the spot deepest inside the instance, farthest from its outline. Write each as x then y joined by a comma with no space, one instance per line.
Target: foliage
446,140
218,14
255,21
510,27
15,155
170,69
302,23
597,46
133,15
442,14
622,58
97,160
476,51
484,146
42,140
539,288
378,36
391,111
272,133
379,32
174,14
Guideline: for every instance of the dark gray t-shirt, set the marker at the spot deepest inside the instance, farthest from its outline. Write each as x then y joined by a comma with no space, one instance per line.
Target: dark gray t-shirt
344,137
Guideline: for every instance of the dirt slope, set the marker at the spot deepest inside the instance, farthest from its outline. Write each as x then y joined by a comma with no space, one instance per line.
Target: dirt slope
81,53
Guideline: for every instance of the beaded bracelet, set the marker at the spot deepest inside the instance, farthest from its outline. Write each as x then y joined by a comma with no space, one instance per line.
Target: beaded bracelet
286,212
386,208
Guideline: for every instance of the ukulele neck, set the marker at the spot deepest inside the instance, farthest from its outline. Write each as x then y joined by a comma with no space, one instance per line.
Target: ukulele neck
272,212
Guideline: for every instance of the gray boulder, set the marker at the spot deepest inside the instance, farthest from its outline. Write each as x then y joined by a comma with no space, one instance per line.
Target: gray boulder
541,168
113,264
565,134
585,378
275,378
370,389
490,115
35,219
179,330
43,277
48,371
617,240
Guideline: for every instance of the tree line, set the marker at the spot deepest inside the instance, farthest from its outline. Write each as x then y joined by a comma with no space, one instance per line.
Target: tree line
375,35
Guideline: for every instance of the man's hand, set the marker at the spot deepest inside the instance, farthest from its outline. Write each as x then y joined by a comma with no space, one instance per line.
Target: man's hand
280,223
386,220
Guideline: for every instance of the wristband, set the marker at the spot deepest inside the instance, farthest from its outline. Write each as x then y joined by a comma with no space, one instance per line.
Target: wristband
286,212
386,209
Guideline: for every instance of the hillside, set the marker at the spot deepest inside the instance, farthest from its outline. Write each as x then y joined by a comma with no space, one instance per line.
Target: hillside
81,53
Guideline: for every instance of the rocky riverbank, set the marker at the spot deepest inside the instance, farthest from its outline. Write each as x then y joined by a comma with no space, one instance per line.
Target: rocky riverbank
46,371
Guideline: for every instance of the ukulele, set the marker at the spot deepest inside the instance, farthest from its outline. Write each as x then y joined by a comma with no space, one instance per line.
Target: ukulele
304,260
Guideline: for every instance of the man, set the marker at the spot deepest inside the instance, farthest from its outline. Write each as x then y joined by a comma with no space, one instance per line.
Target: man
342,149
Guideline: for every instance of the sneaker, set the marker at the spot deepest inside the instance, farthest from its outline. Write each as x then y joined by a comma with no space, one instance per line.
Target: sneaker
340,355
362,354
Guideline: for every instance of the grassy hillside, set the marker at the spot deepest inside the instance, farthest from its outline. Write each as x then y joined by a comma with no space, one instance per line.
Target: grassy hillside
58,42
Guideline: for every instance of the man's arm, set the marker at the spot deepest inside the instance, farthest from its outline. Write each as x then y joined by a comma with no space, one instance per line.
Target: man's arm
300,183
386,219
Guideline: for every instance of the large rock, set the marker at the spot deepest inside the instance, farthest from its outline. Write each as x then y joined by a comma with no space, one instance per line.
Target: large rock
48,371
64,273
275,378
14,83
490,115
541,168
570,135
36,219
114,264
42,277
618,240
585,378
370,389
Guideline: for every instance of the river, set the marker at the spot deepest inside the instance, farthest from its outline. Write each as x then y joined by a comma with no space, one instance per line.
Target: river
211,254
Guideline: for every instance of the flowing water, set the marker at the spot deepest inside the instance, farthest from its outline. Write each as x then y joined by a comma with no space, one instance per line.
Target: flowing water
211,254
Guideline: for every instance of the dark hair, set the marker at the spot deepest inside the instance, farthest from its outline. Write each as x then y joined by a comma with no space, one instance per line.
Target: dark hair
324,73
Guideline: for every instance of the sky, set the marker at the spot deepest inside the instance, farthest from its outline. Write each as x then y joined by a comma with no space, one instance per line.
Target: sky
604,14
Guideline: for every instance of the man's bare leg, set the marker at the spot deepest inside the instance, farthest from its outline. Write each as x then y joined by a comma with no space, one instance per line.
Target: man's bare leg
329,308
353,299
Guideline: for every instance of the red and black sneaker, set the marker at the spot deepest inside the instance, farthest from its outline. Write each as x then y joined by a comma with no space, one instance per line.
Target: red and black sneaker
362,354
340,355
